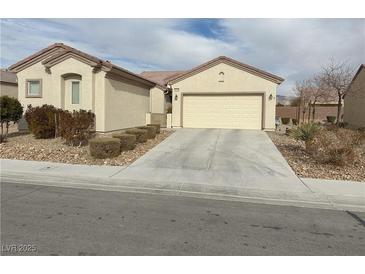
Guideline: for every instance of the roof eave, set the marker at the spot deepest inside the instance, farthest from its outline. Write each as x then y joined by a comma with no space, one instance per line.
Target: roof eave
222,59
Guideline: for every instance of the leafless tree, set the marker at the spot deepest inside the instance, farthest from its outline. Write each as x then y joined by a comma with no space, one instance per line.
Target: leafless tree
302,92
318,92
336,78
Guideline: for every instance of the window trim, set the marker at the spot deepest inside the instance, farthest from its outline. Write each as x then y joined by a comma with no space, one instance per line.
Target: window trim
27,95
76,81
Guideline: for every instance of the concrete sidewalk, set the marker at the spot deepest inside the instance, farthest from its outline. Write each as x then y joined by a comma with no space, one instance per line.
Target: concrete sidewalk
321,193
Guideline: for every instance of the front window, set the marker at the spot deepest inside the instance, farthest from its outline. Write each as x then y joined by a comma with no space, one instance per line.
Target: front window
34,88
75,89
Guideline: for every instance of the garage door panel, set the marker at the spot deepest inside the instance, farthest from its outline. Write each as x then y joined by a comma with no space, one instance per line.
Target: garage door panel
222,111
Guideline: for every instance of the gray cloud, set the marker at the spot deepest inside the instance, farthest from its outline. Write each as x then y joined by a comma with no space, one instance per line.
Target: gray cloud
291,48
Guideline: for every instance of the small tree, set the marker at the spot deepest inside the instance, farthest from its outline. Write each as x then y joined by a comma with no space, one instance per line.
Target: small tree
11,111
336,78
317,91
302,91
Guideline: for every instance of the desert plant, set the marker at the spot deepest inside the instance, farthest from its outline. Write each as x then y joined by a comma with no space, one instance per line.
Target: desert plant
41,121
127,141
157,126
102,148
336,147
285,120
10,111
306,133
76,127
141,134
331,119
295,121
151,131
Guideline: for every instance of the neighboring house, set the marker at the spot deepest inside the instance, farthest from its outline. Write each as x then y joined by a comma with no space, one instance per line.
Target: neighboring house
354,106
223,93
8,84
70,79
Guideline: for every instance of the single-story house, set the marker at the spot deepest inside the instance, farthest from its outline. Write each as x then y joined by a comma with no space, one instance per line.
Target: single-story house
70,79
222,93
8,84
354,105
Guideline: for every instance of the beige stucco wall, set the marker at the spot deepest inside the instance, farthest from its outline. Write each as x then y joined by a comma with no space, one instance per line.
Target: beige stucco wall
126,104
354,106
8,90
157,98
56,90
235,80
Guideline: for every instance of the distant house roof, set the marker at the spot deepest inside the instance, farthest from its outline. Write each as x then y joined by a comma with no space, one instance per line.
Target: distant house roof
229,61
8,77
58,52
160,77
362,66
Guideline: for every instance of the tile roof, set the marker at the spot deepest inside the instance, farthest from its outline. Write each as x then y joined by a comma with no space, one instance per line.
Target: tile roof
160,77
8,77
230,61
63,49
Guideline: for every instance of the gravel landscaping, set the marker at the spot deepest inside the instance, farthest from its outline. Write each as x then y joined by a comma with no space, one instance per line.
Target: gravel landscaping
305,166
26,147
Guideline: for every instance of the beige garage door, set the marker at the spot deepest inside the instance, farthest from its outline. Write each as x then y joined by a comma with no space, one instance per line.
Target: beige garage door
222,111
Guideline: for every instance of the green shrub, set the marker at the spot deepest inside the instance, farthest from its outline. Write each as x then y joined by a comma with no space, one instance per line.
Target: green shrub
141,134
10,111
42,121
76,127
285,120
102,148
331,119
151,131
157,126
306,133
295,121
127,141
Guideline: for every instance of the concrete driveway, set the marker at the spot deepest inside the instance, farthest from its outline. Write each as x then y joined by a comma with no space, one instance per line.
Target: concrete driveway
224,160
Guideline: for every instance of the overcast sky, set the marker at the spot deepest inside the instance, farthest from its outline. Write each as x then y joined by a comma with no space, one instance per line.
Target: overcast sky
290,48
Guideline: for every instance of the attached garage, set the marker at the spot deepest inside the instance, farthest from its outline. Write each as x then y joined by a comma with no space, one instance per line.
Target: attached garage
230,111
224,93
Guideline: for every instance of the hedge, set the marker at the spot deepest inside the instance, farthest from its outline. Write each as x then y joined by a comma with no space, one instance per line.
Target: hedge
157,126
141,134
151,131
102,148
127,141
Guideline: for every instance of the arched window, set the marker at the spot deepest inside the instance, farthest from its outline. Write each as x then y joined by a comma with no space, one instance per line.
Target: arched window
221,77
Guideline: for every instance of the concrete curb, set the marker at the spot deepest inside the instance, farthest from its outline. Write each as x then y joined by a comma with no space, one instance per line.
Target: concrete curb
108,183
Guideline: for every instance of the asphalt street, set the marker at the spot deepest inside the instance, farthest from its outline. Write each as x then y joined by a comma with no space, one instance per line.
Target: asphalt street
43,220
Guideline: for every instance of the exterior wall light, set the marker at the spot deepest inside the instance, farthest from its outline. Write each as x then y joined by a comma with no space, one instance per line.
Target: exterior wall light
270,97
176,97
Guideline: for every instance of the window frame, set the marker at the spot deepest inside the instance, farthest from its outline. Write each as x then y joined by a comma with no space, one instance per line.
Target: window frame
27,95
71,84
